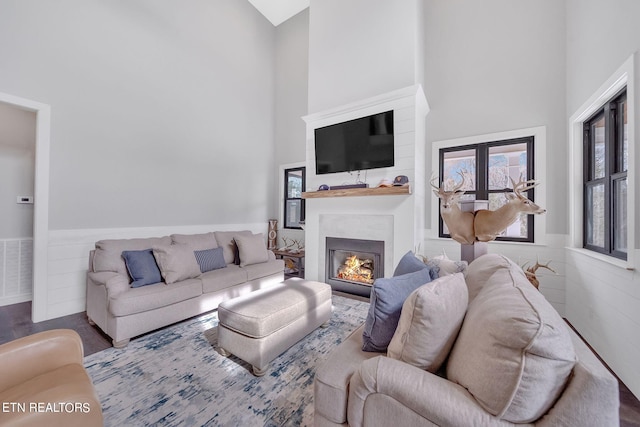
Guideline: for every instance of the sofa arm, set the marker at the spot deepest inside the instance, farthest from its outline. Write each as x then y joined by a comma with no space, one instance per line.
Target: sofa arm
115,283
422,393
591,397
34,355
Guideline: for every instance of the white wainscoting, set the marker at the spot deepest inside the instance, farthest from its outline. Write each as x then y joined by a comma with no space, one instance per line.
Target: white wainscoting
68,259
603,304
552,285
16,270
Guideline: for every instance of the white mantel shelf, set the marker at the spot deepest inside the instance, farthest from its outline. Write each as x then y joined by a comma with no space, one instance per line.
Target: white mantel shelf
357,192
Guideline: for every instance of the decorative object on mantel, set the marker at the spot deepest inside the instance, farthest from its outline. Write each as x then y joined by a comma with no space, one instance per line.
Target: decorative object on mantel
531,272
273,234
401,181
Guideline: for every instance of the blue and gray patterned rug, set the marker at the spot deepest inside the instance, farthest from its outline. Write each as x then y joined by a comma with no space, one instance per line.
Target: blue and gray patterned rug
176,377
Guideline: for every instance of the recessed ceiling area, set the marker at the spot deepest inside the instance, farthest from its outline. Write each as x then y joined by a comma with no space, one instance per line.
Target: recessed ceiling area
278,11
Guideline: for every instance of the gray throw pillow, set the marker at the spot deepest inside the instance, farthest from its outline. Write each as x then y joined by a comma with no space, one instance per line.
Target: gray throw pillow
410,264
210,259
142,267
387,297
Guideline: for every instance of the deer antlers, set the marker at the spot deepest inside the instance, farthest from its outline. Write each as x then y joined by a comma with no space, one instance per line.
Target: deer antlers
522,186
531,271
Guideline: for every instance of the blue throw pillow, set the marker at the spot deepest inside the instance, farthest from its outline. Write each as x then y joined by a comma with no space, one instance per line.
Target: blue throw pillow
142,267
387,297
210,259
409,264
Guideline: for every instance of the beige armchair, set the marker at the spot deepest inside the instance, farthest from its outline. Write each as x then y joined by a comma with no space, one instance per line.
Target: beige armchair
43,382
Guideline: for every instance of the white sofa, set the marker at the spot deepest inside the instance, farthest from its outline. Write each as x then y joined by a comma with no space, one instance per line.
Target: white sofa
124,312
514,361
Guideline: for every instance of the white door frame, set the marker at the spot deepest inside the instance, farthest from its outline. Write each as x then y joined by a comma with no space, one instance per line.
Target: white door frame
41,201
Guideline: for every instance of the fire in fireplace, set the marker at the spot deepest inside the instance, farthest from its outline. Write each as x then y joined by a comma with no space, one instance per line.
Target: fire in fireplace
356,269
352,265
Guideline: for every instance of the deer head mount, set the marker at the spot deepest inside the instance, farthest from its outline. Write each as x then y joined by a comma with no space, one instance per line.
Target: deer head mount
459,223
489,224
484,225
531,272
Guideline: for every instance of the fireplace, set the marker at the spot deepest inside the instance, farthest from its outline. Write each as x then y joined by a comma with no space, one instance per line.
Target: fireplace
352,265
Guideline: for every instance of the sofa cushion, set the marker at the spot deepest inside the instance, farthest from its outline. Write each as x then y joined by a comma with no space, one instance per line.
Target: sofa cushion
145,298
142,267
429,323
387,297
215,280
177,262
331,383
228,245
198,242
210,259
108,253
514,352
251,248
264,269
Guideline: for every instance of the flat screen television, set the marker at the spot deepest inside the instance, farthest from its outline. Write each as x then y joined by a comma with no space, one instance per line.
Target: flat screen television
364,143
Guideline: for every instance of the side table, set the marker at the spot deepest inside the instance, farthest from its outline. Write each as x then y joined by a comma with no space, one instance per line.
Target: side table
298,262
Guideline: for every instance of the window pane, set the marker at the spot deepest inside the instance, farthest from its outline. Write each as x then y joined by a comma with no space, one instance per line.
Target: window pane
519,227
507,161
456,162
294,184
625,142
595,215
597,135
293,213
620,215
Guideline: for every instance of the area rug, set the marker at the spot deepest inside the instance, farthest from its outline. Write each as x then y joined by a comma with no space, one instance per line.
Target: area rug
176,377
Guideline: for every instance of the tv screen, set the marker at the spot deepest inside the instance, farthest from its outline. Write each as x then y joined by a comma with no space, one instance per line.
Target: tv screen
364,143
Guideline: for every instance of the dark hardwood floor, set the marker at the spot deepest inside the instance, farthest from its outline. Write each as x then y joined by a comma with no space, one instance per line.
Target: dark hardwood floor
16,322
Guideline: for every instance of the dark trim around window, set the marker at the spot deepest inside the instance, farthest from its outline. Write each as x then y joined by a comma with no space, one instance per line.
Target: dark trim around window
482,177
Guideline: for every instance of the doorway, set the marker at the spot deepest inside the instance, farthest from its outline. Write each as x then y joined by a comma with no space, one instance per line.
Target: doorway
40,201
17,172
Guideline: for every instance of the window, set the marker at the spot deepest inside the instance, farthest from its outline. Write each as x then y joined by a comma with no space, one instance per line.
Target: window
488,169
605,178
294,185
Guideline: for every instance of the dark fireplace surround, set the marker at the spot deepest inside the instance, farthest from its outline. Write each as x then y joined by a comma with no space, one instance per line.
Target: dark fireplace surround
338,249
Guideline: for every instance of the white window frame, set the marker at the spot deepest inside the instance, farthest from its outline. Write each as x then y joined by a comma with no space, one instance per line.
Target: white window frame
539,134
623,76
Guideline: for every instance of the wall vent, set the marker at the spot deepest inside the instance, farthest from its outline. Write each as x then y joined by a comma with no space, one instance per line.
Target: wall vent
16,270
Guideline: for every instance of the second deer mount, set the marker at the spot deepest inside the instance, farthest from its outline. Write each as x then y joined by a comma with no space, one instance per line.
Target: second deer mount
484,225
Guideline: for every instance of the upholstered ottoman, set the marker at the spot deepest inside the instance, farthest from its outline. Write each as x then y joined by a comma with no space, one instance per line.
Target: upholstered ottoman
259,326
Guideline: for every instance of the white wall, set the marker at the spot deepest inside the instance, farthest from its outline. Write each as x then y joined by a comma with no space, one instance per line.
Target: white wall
495,66
361,48
292,84
292,78
162,112
603,299
161,116
17,170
